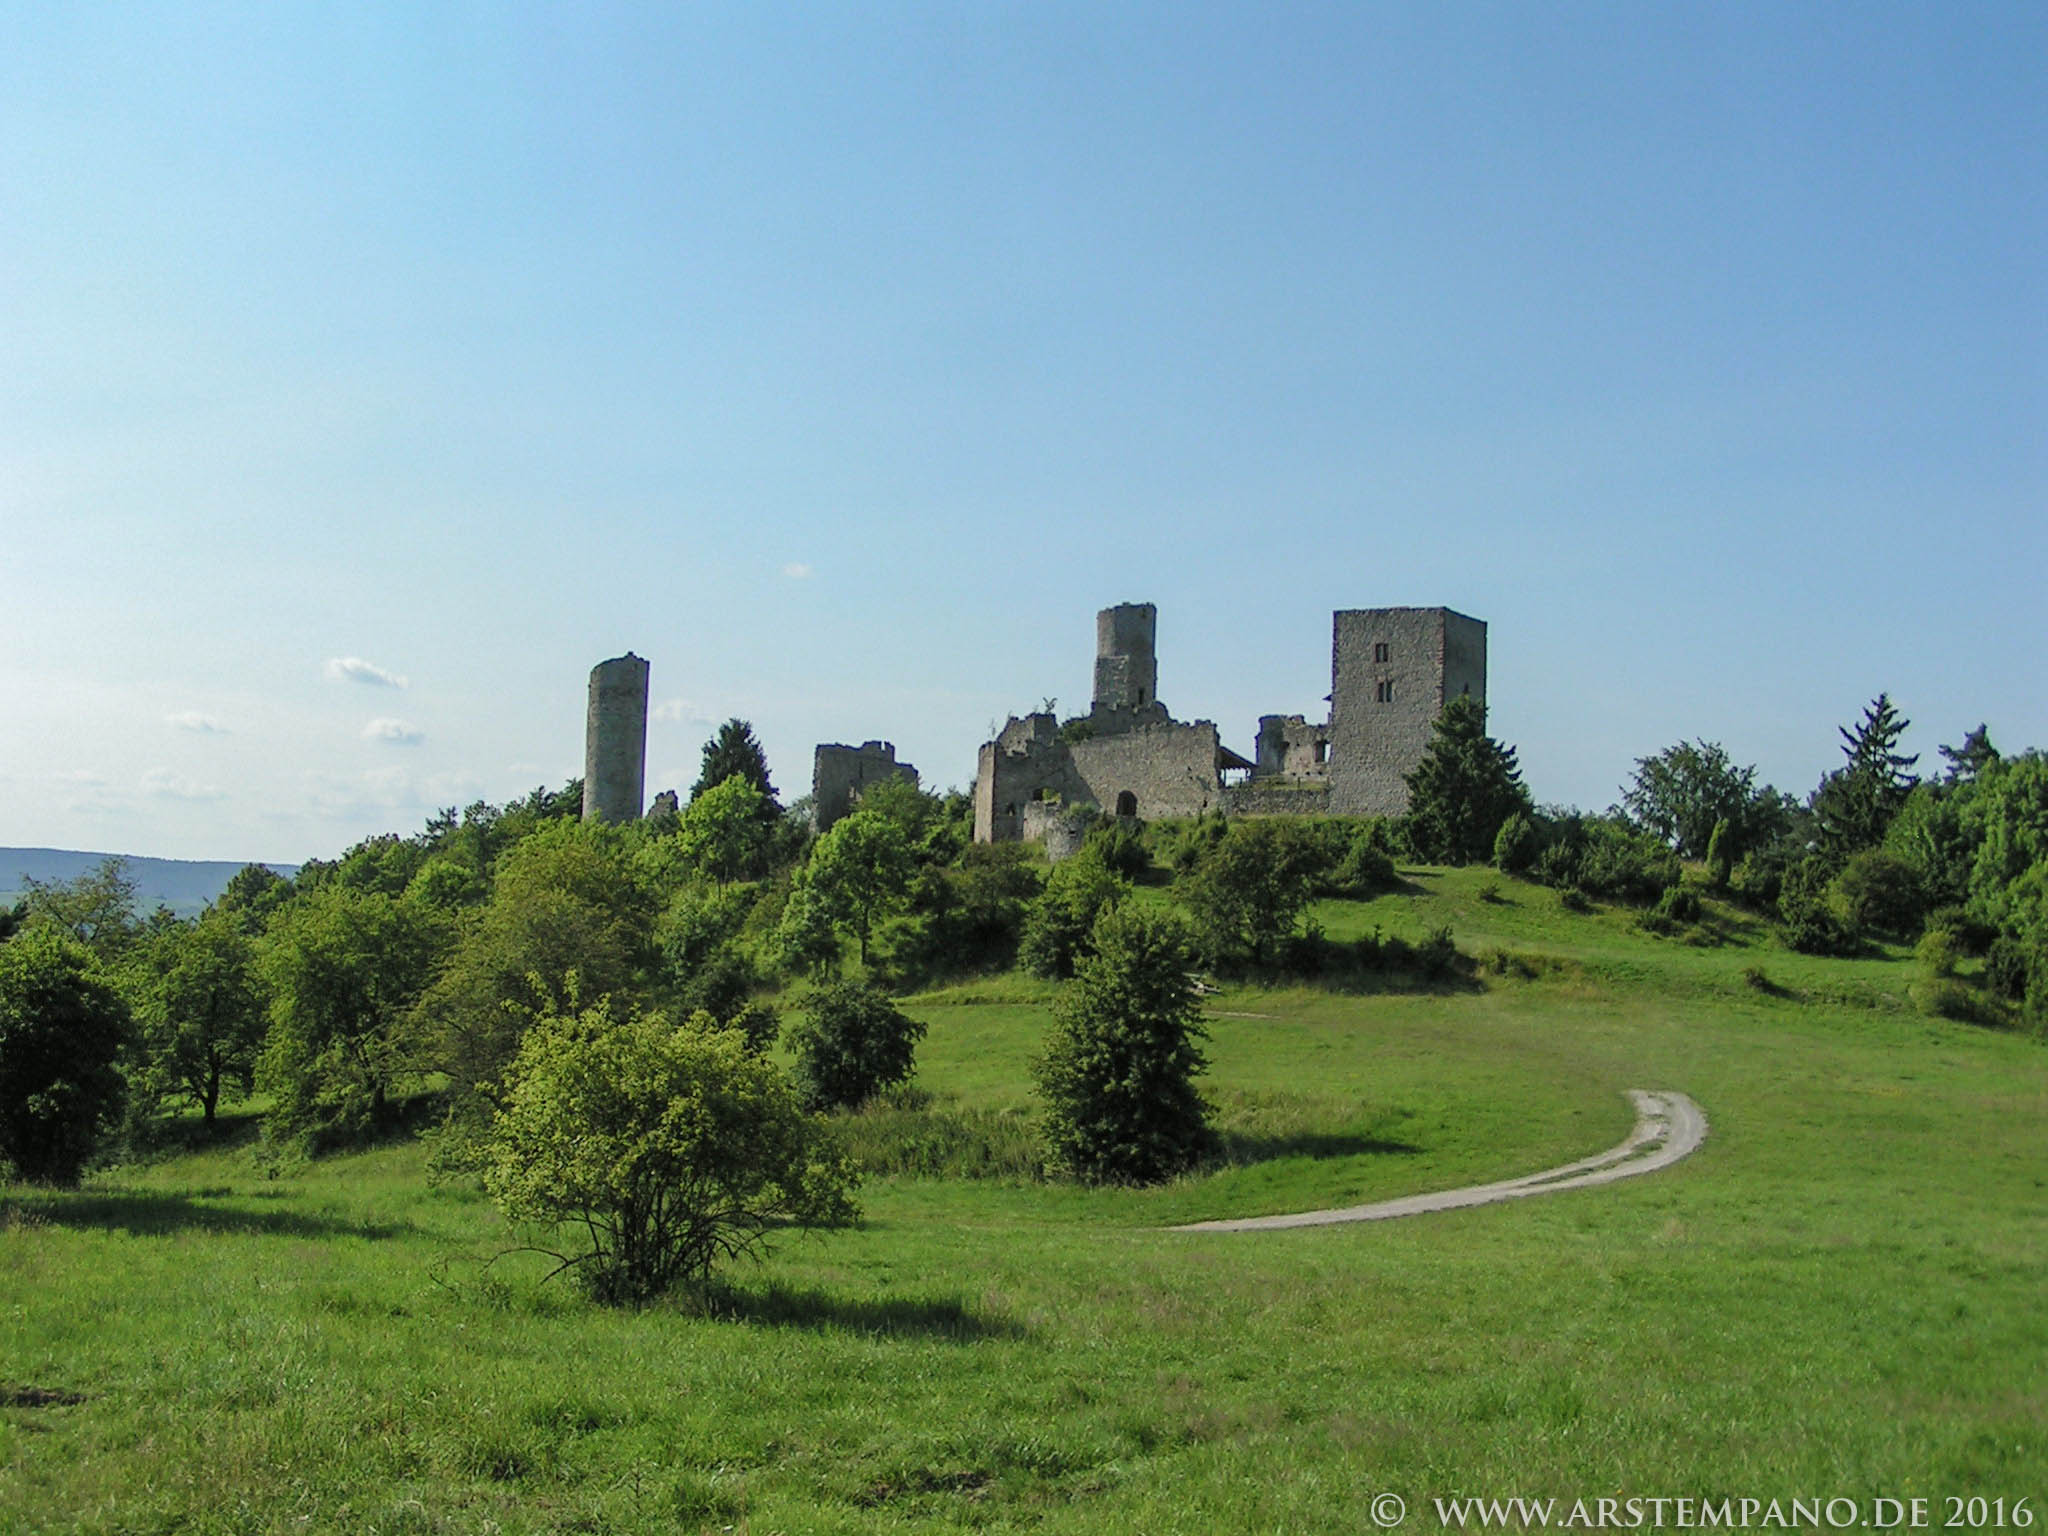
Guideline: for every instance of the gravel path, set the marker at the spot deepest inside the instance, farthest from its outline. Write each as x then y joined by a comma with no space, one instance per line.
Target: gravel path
1668,1126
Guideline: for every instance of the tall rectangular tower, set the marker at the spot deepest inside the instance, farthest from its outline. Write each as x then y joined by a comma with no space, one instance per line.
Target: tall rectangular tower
1392,671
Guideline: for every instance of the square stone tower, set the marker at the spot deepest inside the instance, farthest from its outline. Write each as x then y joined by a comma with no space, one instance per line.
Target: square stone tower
1392,671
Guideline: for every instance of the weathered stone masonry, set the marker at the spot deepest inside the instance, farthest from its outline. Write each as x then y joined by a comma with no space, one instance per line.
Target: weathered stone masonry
1392,672
839,773
615,740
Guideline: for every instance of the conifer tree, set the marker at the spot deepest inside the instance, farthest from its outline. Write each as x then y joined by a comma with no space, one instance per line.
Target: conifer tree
1465,787
734,751
1855,804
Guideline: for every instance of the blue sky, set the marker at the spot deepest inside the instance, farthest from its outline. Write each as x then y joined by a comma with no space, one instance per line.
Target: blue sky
371,372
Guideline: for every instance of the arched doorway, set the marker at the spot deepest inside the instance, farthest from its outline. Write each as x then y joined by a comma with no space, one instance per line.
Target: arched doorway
1126,803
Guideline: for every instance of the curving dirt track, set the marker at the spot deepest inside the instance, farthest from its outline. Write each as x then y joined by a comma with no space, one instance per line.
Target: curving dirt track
1669,1126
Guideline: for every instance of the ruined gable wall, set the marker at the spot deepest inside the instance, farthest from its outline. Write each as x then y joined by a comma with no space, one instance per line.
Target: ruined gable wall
840,772
1375,741
1026,762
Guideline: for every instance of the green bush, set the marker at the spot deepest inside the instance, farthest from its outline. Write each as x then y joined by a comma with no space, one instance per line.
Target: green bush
1250,889
2008,966
851,1043
1366,868
1516,849
670,1147
1678,908
1118,1073
1719,864
1880,893
1120,843
61,1030
1059,920
1938,951
1760,879
1807,920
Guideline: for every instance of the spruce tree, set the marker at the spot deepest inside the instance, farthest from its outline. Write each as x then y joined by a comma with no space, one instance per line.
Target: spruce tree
1855,804
734,751
1465,787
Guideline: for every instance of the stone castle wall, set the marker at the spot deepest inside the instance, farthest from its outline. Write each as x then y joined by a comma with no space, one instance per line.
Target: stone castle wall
1166,770
1277,797
1290,747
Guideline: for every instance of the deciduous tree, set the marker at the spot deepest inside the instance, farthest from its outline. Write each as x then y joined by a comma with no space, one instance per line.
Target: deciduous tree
202,1011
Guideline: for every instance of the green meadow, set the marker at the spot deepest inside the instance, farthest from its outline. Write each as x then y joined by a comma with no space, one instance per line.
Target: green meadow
1844,1293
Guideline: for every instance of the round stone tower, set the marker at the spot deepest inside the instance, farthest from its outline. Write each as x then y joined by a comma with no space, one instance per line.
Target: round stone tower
615,740
1126,670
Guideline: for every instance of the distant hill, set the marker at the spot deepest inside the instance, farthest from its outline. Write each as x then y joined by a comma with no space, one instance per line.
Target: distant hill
183,885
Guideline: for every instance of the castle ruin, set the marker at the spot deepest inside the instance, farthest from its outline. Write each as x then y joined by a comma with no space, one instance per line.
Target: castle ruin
615,740
1392,671
839,773
1127,755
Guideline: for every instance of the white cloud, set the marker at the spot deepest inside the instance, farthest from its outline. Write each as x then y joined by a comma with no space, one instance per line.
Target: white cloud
682,711
797,570
397,732
166,785
353,669
193,720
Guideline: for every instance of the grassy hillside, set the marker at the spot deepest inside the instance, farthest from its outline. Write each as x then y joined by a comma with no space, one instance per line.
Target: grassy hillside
1839,1295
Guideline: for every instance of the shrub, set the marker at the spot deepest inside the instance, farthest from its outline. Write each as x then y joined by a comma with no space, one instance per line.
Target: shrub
1972,935
1516,849
1806,920
963,919
1950,999
1719,863
1118,1072
61,1030
2007,966
1058,922
851,1042
1938,951
1677,908
1760,879
1625,865
1880,893
1120,844
672,1147
1437,956
1365,869
1252,886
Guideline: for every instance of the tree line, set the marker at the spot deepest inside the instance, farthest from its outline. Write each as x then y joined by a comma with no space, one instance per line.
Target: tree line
486,973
